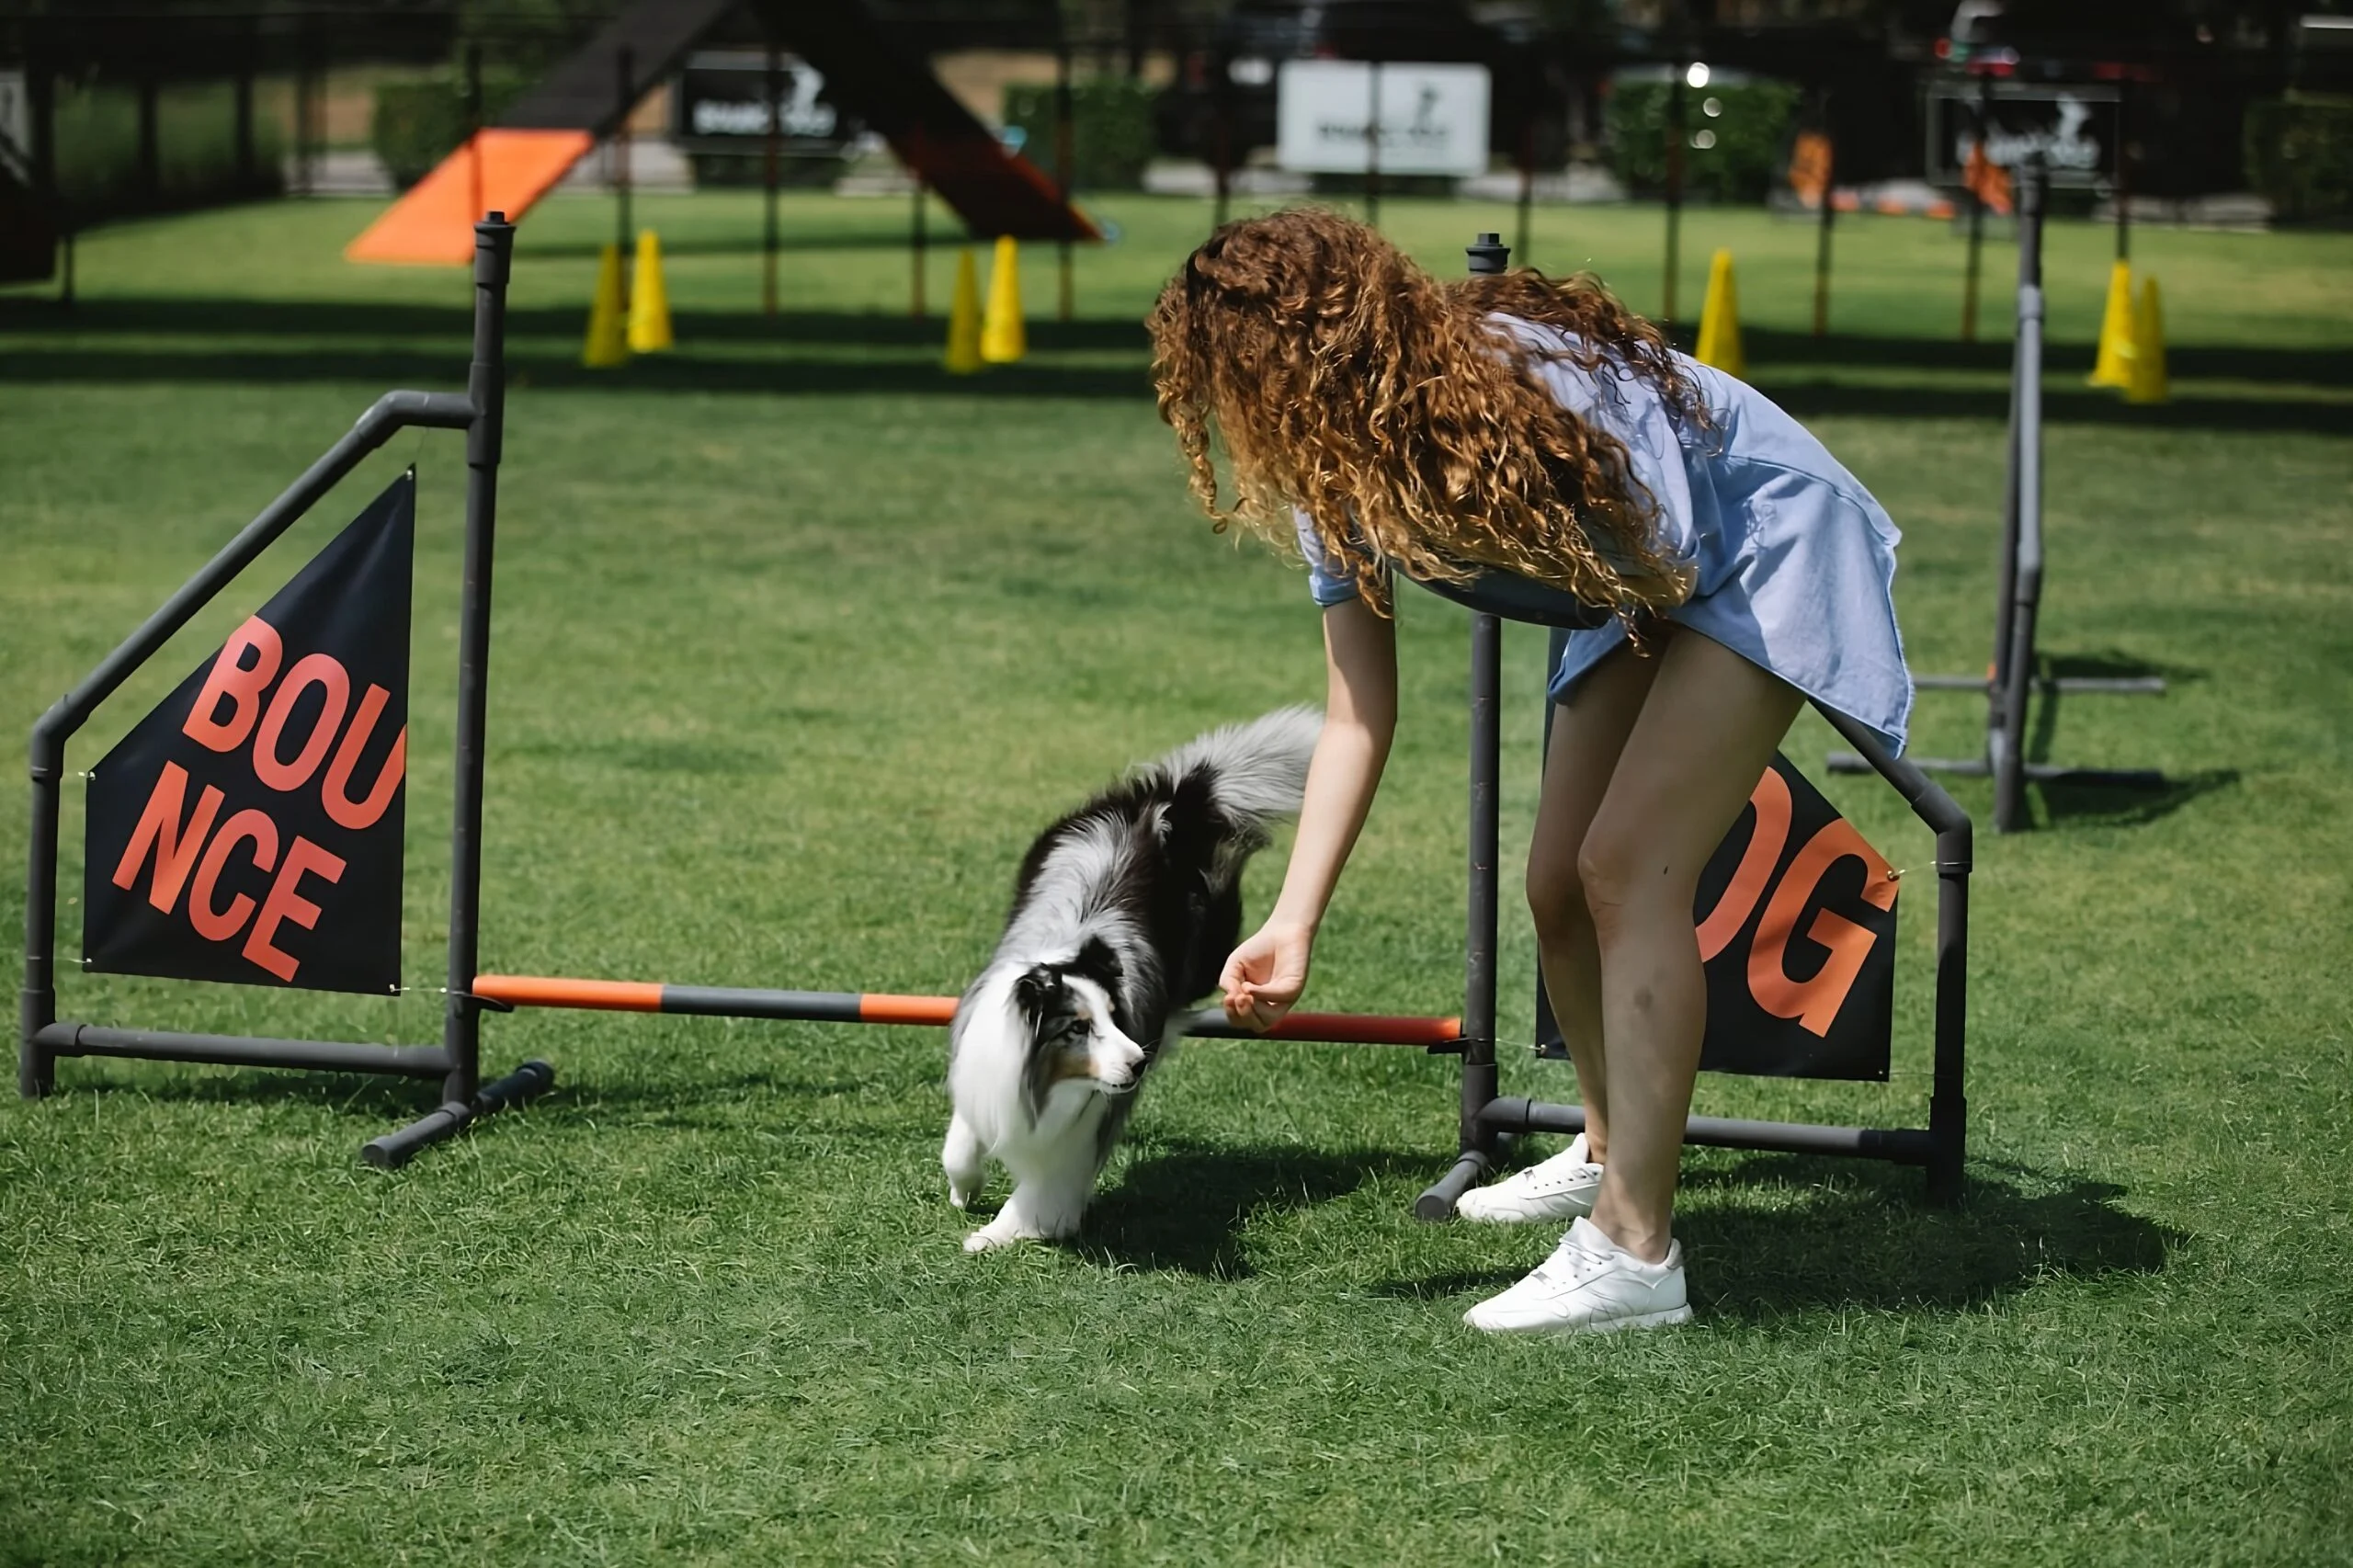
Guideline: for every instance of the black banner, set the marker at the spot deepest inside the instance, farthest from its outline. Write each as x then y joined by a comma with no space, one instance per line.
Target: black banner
1796,917
250,828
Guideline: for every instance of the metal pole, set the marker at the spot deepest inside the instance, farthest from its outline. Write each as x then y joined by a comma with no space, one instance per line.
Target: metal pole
2123,174
1976,223
1674,185
1526,180
916,240
1948,1102
1828,216
1487,255
37,1003
2009,760
486,389
768,214
40,106
623,78
473,132
1479,968
1221,143
1548,1022
1062,159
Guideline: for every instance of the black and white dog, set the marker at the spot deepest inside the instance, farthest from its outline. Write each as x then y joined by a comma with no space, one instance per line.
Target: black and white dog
1124,910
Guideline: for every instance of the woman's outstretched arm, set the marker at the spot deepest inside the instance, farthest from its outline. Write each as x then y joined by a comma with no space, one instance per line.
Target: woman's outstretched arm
1268,972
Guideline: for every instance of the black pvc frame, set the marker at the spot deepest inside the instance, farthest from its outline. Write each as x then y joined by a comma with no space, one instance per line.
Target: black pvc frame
43,1038
2012,680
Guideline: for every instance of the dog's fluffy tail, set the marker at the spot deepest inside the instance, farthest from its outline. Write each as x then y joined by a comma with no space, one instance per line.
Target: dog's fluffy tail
1256,771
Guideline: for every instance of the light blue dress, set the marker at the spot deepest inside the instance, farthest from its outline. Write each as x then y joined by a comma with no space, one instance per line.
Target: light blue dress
1794,561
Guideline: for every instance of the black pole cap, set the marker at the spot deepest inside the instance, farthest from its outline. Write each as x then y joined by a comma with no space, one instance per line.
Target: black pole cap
1488,254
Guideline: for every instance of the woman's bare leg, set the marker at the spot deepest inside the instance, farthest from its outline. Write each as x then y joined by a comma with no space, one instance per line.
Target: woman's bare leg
1588,731
1706,732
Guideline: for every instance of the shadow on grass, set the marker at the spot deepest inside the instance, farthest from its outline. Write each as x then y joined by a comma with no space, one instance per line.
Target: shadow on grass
2111,665
388,343
1860,1236
363,1096
2279,414
1183,1206
2107,805
2111,804
1773,349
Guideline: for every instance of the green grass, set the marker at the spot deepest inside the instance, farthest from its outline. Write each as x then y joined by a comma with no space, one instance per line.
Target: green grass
797,640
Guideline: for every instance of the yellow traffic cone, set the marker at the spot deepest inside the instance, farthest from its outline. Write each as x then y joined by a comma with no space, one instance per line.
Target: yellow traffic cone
963,356
1720,320
1002,338
649,300
2149,383
607,342
2114,367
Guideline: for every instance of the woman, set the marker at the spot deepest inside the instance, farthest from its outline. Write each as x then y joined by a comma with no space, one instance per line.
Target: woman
1389,423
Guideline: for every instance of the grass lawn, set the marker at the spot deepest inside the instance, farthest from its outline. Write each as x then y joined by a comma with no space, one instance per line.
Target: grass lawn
799,641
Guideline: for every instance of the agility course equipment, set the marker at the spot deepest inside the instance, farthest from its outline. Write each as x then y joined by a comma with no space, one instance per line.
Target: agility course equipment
480,412
1719,344
1486,1119
2014,674
512,991
588,97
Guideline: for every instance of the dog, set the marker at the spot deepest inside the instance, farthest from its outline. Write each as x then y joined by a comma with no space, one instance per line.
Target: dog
1123,911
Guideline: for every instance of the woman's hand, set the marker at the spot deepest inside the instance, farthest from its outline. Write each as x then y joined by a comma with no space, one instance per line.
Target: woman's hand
1266,974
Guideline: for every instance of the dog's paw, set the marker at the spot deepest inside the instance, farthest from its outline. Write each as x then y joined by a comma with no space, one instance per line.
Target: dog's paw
989,1237
961,1195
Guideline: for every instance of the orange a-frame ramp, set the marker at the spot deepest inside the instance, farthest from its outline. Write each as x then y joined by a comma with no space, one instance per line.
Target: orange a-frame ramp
508,167
500,170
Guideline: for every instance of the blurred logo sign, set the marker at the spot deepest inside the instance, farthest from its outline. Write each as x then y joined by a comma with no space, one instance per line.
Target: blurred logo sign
2073,129
723,103
1429,120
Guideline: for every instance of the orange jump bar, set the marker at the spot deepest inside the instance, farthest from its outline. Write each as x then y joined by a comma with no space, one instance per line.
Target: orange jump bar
878,1007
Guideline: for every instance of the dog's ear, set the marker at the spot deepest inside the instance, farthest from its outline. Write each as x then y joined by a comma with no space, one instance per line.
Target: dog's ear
1038,992
1099,964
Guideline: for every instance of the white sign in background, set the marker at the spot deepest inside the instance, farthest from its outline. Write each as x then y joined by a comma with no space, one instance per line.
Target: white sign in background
1433,117
15,113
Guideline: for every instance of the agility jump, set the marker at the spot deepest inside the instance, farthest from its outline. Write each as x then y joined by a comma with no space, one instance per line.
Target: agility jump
1761,868
2013,679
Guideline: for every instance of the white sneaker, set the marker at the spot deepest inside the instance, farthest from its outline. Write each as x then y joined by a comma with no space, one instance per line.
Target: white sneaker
1563,1187
1590,1285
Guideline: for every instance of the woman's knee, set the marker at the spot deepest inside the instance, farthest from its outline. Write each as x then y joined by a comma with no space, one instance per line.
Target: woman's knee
1556,900
1620,883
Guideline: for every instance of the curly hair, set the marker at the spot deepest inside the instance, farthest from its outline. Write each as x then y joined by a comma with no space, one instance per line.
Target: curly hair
1345,382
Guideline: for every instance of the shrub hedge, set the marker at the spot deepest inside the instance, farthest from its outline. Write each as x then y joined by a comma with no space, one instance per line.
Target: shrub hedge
1730,155
2300,154
419,122
1111,130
